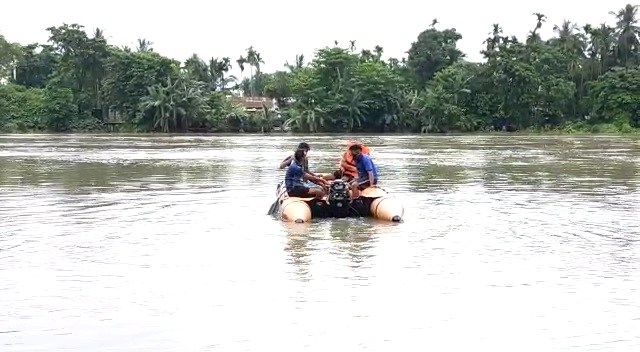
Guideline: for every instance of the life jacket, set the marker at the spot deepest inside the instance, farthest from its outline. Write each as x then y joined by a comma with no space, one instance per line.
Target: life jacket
347,164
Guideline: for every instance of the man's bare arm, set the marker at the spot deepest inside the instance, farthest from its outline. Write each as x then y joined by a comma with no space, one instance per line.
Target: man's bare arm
286,162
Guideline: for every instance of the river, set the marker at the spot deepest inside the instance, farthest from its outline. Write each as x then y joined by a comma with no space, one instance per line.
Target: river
157,243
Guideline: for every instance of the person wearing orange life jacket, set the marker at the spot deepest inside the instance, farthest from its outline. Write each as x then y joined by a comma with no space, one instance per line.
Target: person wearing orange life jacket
347,166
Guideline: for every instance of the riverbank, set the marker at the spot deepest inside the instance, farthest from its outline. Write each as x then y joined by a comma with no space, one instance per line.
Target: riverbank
568,129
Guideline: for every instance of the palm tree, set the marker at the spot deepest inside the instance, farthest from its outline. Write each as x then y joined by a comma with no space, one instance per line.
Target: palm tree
254,60
98,33
306,118
96,64
534,36
144,46
627,32
241,61
299,63
251,60
540,18
224,68
157,100
492,42
258,62
570,40
189,100
366,55
197,68
213,74
600,48
218,69
174,100
378,50
266,119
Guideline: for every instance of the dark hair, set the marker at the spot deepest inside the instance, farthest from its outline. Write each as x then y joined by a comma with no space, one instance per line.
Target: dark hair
304,146
299,155
355,147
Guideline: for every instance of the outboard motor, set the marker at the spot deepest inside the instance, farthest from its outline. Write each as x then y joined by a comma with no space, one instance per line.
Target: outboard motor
339,199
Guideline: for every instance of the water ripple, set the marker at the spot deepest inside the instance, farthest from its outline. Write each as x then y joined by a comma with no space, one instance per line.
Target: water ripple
139,243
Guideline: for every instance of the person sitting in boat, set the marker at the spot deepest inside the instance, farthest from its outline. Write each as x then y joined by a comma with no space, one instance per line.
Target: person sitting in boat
347,166
287,161
296,175
367,171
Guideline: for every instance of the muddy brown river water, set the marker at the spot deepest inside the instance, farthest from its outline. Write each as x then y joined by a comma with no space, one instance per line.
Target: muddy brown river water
155,243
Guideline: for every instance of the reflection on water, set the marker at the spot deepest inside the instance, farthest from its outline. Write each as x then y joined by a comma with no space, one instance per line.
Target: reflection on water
139,243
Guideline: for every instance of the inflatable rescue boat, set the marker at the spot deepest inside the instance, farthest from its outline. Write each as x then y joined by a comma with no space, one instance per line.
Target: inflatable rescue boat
373,202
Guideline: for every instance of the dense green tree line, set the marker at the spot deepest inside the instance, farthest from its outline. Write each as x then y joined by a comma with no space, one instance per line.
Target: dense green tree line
584,78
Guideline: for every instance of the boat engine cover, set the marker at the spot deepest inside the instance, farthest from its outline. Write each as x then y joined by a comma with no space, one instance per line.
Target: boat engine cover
338,199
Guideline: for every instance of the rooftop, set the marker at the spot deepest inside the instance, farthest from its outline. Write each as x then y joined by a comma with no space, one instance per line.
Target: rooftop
254,102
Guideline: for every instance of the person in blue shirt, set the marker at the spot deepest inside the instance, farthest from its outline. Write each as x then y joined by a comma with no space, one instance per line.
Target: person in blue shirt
367,171
288,160
296,175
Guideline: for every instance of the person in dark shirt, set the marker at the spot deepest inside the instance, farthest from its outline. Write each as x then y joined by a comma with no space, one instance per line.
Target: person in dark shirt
296,175
367,171
287,161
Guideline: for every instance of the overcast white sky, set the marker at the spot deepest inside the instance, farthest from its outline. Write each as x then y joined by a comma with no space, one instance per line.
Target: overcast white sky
280,29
